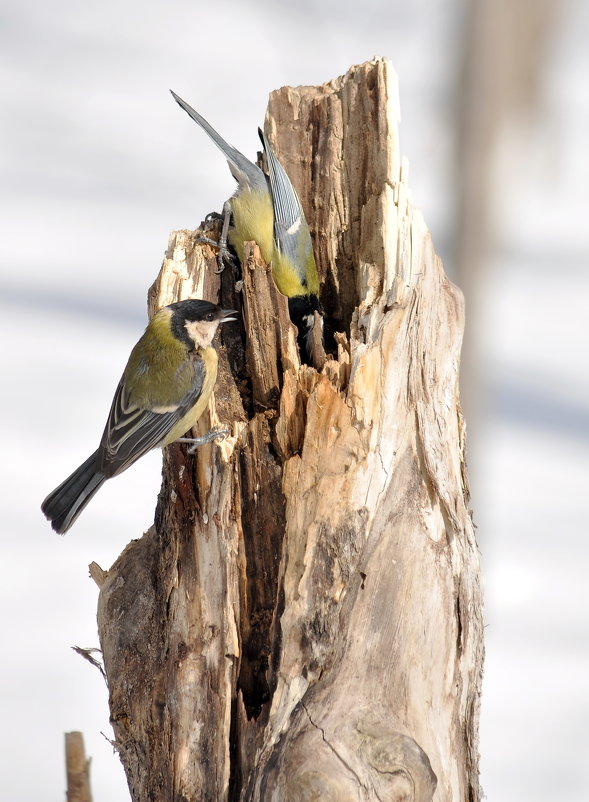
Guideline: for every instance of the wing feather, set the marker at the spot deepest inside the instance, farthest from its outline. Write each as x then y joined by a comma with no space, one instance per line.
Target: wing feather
132,431
291,231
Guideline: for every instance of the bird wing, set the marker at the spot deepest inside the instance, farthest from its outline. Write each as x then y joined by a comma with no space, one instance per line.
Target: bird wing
291,231
131,431
245,172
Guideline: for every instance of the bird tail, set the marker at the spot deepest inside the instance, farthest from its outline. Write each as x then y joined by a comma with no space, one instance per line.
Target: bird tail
244,171
67,501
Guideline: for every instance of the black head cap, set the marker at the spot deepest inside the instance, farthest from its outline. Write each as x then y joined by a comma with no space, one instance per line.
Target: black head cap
193,310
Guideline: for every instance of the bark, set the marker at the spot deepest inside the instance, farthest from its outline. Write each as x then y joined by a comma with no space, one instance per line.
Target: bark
303,620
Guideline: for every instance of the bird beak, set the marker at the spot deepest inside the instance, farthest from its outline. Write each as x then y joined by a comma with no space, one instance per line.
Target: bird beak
226,315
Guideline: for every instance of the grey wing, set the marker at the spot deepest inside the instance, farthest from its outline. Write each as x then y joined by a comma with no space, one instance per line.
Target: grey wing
131,431
245,172
291,231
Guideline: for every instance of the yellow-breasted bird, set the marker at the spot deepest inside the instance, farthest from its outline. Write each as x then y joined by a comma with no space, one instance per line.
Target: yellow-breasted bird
267,209
164,390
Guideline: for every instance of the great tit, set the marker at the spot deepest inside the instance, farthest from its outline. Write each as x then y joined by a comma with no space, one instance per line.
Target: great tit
164,390
266,209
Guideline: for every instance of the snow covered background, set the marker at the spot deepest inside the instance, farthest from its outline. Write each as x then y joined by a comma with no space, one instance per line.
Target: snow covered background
93,155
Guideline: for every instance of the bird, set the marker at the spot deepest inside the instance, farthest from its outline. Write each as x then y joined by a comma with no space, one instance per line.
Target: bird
267,209
162,393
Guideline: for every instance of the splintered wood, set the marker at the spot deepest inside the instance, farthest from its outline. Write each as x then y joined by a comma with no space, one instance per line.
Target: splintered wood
303,621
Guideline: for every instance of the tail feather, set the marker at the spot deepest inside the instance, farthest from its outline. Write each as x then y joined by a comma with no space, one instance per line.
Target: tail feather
67,501
243,170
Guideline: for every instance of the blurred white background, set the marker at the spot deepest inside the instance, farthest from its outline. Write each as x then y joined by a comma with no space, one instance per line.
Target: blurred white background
99,164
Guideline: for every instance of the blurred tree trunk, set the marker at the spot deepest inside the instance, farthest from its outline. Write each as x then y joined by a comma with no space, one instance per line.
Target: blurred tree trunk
77,769
303,621
501,80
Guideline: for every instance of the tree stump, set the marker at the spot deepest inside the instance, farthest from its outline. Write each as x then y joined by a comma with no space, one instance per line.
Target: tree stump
303,621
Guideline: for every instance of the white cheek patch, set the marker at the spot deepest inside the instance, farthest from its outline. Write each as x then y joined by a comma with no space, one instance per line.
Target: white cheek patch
201,332
309,321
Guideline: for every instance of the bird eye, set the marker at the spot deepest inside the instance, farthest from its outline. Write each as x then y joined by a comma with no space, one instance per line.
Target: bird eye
210,316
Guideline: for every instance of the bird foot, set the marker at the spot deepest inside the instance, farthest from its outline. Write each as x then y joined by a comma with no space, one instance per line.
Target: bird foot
217,432
224,255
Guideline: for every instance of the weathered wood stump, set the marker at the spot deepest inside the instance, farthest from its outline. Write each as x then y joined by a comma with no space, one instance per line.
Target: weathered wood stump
303,621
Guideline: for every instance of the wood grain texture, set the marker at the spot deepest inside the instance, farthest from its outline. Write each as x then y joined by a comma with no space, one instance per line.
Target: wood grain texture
304,619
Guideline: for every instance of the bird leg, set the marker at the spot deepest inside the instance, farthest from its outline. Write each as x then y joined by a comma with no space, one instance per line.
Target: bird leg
223,254
213,434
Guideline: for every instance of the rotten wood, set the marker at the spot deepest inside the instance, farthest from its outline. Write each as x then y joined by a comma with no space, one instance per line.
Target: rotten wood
303,621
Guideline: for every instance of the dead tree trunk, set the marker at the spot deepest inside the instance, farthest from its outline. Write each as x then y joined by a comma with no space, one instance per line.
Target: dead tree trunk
303,620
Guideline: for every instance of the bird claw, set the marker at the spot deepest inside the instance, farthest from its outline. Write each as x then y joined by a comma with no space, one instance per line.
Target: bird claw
215,433
208,241
213,216
223,253
220,261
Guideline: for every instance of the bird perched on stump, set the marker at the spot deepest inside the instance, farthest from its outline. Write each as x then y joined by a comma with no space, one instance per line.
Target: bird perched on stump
267,209
163,392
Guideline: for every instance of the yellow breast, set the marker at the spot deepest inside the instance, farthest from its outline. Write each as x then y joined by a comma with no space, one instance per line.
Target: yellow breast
253,219
210,358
